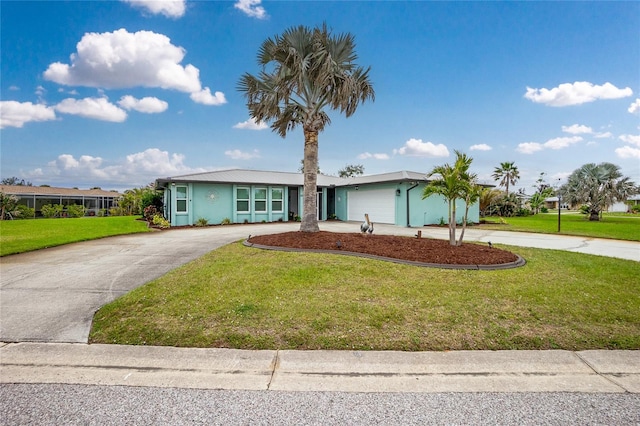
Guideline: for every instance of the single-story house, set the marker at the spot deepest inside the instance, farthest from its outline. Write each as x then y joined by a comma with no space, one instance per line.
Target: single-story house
35,197
620,206
252,196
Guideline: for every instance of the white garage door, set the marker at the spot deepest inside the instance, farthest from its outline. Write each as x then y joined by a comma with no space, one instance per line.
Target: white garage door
380,204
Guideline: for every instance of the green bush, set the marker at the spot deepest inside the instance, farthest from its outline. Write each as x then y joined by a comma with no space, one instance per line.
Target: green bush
635,209
226,221
584,209
23,212
544,210
52,210
75,210
161,222
522,212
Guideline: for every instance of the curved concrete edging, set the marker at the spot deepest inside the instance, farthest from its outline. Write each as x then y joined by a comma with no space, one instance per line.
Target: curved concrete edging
516,264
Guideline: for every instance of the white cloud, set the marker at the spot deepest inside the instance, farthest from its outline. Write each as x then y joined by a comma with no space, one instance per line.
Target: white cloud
236,154
251,8
577,129
136,169
603,135
205,97
563,142
417,148
14,88
576,93
529,147
375,156
631,139
148,105
628,152
122,60
16,114
96,108
168,8
480,147
634,108
251,124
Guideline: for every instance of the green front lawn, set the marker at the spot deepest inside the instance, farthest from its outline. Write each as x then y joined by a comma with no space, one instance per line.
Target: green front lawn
614,226
239,297
18,236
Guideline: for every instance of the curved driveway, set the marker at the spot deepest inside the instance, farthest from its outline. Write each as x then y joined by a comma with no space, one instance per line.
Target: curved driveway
51,295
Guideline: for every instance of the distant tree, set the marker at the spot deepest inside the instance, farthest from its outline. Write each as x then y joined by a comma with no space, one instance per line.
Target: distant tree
507,174
597,186
351,170
305,71
452,182
13,180
488,200
543,191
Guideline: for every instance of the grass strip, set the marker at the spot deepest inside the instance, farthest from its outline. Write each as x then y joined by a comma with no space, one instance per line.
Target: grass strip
239,297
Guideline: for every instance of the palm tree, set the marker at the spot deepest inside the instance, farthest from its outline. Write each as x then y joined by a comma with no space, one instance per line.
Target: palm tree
471,195
507,174
453,183
597,186
303,72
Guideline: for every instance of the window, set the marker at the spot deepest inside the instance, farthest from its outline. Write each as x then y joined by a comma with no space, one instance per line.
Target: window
181,199
242,200
276,199
260,199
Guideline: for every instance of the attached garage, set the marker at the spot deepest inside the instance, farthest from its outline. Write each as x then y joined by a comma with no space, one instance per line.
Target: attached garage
380,204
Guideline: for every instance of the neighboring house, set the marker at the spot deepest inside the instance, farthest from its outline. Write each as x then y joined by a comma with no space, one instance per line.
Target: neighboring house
623,207
37,196
552,203
251,196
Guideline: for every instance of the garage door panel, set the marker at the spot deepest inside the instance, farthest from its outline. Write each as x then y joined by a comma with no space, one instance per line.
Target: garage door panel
379,204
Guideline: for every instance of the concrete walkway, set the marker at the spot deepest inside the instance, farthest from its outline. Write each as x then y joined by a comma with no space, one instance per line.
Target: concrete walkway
50,296
326,371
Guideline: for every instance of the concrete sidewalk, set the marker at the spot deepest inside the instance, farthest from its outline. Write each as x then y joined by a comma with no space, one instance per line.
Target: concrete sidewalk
346,371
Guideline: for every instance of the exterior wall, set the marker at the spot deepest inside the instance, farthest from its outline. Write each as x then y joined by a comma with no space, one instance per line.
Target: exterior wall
421,212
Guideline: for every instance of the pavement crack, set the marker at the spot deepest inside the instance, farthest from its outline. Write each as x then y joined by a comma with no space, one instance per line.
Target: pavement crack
604,376
274,366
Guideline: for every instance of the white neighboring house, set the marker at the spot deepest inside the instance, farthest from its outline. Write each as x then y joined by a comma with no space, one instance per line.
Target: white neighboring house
624,206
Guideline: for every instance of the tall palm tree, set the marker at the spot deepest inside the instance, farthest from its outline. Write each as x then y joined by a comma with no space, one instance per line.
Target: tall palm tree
507,174
303,72
453,182
597,186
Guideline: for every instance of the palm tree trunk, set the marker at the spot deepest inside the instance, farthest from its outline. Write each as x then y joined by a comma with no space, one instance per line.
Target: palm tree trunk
310,165
464,223
452,222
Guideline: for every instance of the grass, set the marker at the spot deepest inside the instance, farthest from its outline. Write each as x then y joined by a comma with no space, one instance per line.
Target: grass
614,226
18,236
240,297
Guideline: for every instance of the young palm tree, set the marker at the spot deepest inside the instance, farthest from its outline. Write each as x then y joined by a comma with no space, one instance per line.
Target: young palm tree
453,183
507,174
471,196
304,71
597,186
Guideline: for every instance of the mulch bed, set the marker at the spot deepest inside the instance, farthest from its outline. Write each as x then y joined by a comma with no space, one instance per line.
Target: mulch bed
423,250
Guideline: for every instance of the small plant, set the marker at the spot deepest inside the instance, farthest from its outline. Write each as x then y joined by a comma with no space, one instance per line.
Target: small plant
442,222
75,210
264,220
226,221
297,218
246,221
102,212
202,222
584,209
150,212
161,222
522,212
52,210
635,209
544,210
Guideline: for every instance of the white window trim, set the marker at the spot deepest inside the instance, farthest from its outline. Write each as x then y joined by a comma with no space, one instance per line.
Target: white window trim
186,200
265,199
277,199
243,199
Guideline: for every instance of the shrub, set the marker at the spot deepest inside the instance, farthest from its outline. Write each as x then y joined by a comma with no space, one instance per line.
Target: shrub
202,222
161,222
226,221
51,210
24,212
523,212
102,212
544,210
635,209
150,212
584,209
75,210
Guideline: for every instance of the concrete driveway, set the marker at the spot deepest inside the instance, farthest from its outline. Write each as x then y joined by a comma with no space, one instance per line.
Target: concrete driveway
51,295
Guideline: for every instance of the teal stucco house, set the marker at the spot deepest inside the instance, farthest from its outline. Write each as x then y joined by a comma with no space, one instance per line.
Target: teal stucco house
253,196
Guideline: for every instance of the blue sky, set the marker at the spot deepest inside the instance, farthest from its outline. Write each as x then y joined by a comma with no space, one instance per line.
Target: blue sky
118,93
